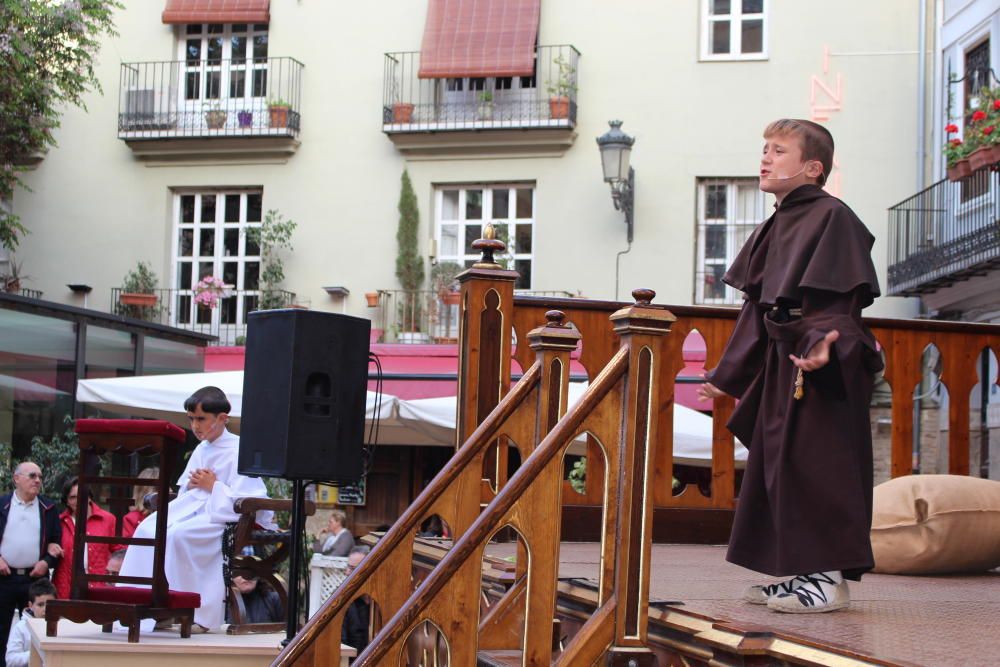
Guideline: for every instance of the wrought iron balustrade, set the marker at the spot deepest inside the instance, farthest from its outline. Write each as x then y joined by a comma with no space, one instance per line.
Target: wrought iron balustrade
244,97
426,316
177,308
413,104
945,233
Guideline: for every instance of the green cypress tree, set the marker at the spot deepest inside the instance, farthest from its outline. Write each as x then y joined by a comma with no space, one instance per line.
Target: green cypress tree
409,263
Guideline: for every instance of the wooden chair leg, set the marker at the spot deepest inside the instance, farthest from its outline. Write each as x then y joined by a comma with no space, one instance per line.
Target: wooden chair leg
51,625
186,621
133,630
107,627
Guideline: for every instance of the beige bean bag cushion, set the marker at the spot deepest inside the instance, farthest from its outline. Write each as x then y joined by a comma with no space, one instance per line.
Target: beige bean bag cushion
932,524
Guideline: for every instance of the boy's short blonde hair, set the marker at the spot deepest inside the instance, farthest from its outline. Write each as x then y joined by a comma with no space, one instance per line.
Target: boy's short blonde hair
814,139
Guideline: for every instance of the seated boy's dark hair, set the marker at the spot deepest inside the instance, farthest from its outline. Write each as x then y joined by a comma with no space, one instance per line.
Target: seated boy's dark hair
43,586
211,399
815,140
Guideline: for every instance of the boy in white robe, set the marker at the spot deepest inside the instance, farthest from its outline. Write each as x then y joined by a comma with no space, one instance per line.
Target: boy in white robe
197,517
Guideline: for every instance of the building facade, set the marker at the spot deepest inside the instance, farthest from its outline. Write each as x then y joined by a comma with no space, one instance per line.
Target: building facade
315,110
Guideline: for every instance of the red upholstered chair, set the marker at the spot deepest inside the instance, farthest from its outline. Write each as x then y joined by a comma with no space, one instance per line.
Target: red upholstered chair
126,604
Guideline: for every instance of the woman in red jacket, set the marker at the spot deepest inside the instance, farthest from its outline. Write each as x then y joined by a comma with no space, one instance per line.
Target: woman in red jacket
139,509
99,522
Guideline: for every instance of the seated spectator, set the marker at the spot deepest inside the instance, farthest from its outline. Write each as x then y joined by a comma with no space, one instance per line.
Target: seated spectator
95,559
339,541
140,508
19,642
115,562
261,604
357,620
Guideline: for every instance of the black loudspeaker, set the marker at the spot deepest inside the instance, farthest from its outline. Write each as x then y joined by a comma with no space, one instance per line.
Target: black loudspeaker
304,395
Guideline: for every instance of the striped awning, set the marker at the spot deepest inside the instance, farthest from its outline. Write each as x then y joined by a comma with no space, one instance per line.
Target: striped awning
217,11
479,38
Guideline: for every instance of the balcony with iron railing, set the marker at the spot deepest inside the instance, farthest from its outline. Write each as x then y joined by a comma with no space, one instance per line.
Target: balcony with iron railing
415,110
425,316
227,320
946,233
218,105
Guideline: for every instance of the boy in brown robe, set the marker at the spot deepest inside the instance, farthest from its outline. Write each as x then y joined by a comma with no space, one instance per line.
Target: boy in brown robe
802,363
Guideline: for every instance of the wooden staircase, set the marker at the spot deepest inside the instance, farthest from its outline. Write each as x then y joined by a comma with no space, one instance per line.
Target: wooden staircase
448,615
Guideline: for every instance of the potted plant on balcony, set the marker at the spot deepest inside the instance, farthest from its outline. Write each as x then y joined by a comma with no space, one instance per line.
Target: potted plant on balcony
272,237
409,264
402,112
215,117
245,119
443,282
137,297
485,109
11,280
210,290
371,298
278,110
561,89
956,154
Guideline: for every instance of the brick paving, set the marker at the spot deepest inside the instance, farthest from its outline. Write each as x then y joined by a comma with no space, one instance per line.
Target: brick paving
935,621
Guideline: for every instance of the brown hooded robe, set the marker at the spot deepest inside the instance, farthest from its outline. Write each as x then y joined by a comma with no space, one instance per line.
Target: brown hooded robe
805,504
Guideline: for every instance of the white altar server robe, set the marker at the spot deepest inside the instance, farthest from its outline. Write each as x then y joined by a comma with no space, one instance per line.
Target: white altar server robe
196,520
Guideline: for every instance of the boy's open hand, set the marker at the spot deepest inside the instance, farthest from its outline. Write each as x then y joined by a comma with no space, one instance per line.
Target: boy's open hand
818,356
708,391
202,478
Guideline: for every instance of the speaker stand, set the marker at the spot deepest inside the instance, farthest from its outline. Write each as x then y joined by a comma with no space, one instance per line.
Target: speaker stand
295,559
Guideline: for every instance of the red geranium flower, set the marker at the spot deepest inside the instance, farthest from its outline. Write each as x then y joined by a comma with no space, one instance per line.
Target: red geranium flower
996,105
988,129
951,128
956,142
978,115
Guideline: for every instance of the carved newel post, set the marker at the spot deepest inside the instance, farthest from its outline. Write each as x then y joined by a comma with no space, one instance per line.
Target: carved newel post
639,327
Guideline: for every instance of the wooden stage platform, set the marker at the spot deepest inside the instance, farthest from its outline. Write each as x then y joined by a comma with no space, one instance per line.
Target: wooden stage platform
935,621
84,645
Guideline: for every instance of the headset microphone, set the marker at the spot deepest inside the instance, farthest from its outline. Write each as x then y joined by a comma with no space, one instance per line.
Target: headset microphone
785,178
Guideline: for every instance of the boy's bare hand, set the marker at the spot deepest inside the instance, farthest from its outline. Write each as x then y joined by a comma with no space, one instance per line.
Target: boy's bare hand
55,550
40,570
708,392
818,356
202,479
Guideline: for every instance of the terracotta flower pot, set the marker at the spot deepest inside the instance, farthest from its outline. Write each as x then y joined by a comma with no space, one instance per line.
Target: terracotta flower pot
451,298
559,107
215,119
279,116
372,299
134,299
964,168
402,112
980,157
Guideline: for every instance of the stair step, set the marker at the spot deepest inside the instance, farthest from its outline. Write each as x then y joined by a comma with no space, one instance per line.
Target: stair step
498,658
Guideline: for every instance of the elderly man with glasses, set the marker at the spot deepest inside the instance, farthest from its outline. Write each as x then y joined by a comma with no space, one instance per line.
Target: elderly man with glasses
29,541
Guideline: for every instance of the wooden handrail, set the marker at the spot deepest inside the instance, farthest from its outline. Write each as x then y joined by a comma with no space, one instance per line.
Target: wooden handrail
401,532
489,519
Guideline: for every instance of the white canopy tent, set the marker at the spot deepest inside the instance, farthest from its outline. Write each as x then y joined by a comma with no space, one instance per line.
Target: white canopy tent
428,421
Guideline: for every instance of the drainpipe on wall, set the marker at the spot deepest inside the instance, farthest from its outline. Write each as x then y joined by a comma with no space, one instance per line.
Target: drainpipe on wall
921,97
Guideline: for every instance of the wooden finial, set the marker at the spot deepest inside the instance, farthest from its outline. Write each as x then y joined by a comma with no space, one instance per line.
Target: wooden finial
555,318
643,296
488,245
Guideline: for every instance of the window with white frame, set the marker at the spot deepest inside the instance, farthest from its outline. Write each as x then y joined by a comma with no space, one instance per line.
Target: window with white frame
728,211
223,62
733,29
462,212
210,239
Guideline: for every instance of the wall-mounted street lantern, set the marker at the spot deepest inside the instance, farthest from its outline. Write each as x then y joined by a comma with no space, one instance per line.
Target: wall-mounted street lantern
616,149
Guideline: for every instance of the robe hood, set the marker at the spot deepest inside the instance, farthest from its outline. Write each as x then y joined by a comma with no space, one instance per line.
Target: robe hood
812,240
